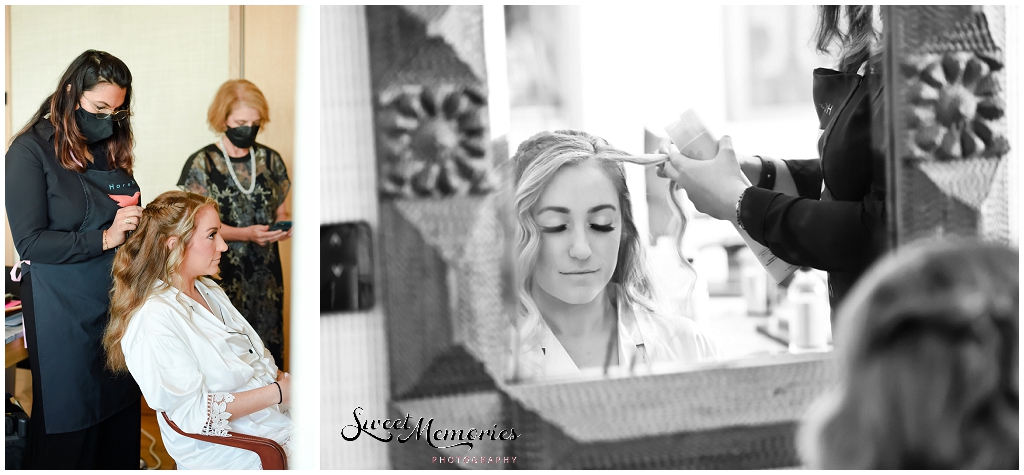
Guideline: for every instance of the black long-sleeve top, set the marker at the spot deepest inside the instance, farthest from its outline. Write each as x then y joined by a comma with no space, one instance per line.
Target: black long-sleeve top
57,218
46,203
838,223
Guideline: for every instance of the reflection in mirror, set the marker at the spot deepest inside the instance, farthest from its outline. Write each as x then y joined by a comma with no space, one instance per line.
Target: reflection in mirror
748,71
585,294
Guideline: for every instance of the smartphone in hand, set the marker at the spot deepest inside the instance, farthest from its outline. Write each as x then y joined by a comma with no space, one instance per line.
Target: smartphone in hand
281,226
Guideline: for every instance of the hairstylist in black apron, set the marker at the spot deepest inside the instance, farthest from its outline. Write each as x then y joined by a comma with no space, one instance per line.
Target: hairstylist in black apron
826,213
71,199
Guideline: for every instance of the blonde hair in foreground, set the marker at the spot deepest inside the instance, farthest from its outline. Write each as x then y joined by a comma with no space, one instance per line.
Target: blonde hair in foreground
928,351
145,258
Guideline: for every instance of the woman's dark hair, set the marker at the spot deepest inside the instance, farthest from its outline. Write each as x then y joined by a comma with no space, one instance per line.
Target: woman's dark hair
83,74
856,41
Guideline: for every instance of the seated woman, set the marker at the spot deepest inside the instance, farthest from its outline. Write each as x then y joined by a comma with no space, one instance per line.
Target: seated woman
585,298
194,356
929,365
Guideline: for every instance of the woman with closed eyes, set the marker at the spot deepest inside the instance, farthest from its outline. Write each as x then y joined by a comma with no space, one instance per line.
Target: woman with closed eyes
585,298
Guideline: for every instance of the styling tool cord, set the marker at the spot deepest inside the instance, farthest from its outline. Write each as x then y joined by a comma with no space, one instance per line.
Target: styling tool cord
151,452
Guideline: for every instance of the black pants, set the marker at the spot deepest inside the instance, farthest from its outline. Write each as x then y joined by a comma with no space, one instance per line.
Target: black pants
112,444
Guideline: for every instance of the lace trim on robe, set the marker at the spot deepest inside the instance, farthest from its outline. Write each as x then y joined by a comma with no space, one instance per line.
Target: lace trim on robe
217,415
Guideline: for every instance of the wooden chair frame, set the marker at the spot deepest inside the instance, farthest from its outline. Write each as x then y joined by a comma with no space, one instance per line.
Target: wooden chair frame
271,454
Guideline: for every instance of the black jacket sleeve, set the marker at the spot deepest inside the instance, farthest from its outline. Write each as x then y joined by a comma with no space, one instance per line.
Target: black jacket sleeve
29,203
828,235
807,176
841,229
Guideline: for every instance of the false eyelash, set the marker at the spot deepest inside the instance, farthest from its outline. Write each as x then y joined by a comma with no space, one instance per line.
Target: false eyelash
604,228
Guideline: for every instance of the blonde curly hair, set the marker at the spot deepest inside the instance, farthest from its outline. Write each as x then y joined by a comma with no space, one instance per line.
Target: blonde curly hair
533,166
144,259
928,345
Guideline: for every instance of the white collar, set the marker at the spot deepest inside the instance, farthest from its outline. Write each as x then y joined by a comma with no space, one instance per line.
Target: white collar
631,342
226,320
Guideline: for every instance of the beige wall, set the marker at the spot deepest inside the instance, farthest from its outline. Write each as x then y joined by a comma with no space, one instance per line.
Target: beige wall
178,56
269,62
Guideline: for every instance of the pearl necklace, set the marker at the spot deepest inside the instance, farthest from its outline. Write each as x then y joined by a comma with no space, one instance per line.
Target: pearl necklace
231,168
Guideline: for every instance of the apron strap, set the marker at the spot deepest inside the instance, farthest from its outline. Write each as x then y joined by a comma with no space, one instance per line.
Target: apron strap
15,275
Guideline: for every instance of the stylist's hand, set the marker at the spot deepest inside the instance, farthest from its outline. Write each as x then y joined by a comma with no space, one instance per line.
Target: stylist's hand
285,381
714,186
259,234
126,219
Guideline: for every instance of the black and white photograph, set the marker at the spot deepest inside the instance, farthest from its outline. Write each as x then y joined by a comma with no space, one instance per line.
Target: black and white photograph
669,236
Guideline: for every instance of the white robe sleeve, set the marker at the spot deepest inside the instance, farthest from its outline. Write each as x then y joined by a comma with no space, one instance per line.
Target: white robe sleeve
169,377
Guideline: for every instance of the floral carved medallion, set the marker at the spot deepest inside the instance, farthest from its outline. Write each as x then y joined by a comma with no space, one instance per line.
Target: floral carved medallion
955,107
432,142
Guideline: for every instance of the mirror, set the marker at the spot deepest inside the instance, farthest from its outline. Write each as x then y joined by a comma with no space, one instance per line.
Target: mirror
623,74
446,294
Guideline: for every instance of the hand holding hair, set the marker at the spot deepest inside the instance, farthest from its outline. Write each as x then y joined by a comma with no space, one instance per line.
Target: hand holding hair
126,219
713,185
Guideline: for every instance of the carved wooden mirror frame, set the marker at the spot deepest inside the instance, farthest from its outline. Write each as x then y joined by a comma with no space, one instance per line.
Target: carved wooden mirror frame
446,240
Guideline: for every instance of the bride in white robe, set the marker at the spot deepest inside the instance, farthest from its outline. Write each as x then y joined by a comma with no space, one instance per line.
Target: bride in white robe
185,363
192,353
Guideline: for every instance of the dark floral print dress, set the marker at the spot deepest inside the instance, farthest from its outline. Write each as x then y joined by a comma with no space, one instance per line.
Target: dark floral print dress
250,274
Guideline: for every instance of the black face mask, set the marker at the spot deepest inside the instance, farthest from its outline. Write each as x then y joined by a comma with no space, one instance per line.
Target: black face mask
92,128
242,136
